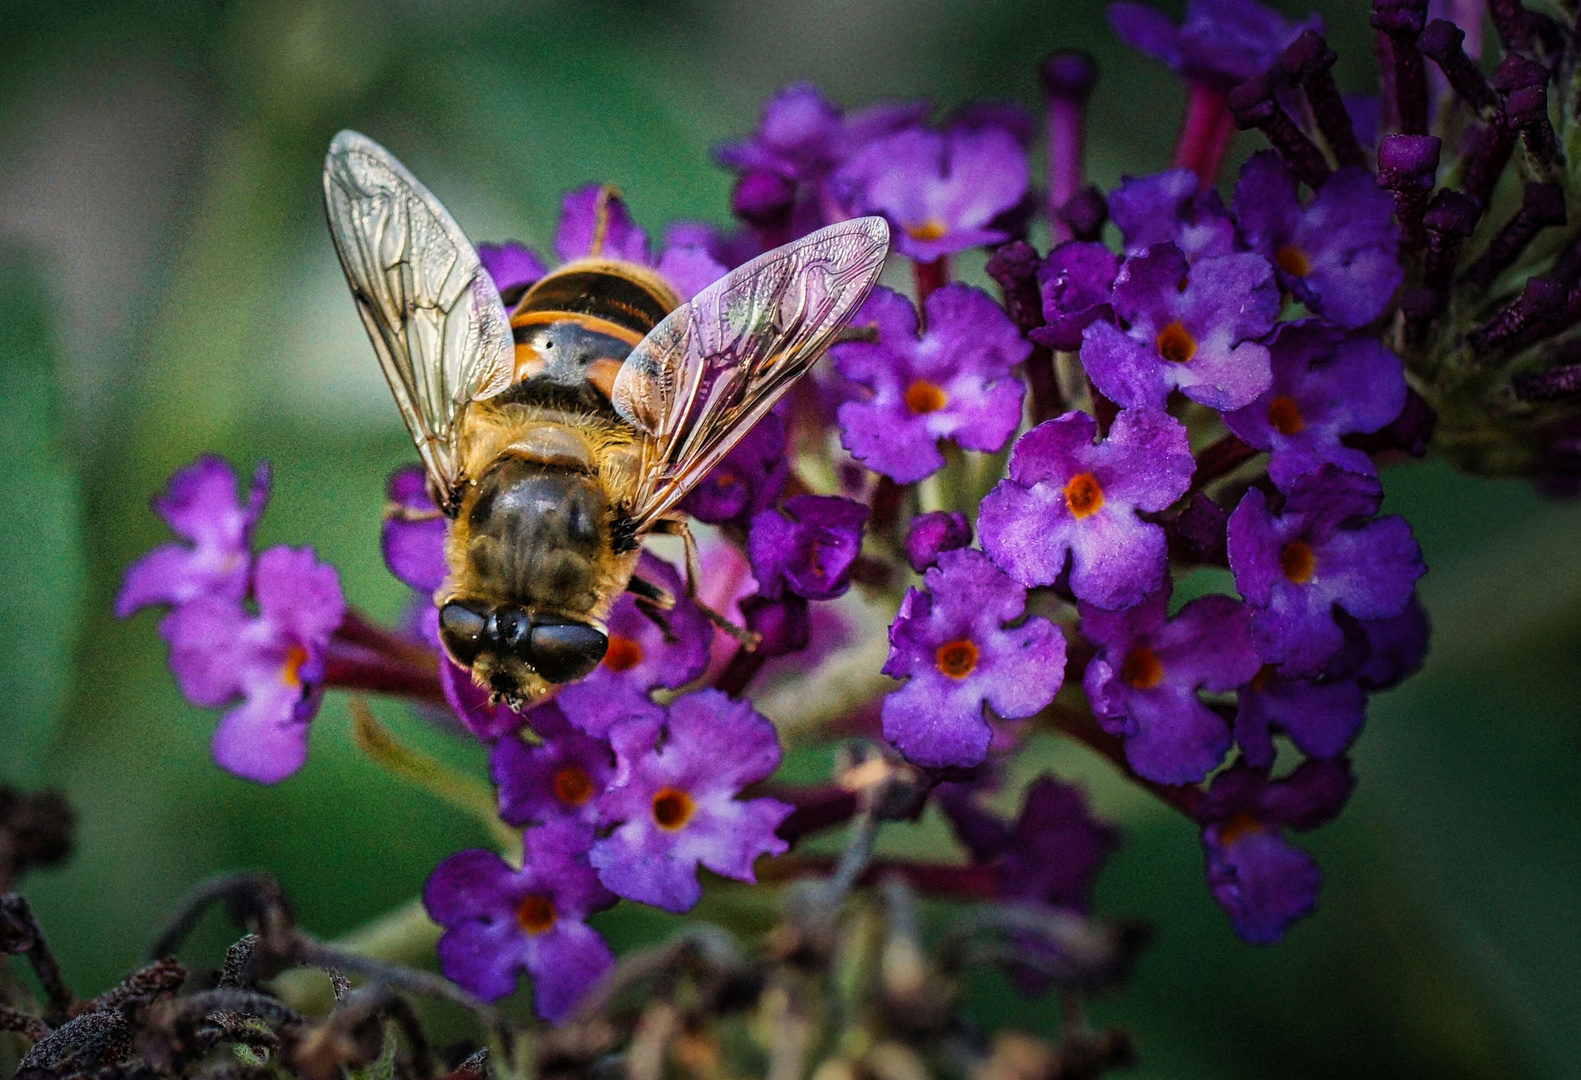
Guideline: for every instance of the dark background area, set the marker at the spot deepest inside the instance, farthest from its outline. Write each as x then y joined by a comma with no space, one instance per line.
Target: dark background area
167,288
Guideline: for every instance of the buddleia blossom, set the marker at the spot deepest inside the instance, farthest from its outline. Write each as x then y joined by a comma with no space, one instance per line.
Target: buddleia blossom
806,546
963,644
1220,42
914,388
675,801
500,921
559,778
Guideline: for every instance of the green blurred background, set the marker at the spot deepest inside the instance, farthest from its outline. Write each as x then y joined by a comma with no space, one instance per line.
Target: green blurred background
167,288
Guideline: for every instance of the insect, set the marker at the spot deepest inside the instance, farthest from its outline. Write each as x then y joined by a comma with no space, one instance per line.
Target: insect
557,436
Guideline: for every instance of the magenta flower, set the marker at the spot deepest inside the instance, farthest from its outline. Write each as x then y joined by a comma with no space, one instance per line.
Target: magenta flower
747,481
1187,327
1075,283
1320,553
930,535
1172,207
1069,499
1326,385
513,266
272,661
560,779
1339,254
500,921
1220,42
1321,717
470,703
953,382
675,797
1262,881
807,546
941,191
1143,683
803,137
961,643
414,551
200,506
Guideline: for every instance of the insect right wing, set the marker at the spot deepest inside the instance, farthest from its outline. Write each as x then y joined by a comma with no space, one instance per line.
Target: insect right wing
706,374
431,310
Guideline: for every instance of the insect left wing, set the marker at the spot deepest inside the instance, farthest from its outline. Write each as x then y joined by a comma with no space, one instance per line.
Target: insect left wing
699,381
432,311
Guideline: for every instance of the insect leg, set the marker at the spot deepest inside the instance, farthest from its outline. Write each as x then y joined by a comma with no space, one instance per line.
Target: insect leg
657,595
675,527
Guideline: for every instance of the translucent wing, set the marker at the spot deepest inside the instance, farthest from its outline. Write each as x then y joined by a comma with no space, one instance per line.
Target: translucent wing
435,318
715,365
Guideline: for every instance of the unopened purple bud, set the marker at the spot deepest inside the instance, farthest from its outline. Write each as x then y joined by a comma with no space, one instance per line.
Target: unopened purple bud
1539,301
1486,158
1527,110
1401,21
1068,73
1396,17
1450,218
1517,27
1408,162
762,198
1198,533
934,533
782,625
1542,205
1086,212
1308,61
1015,266
1556,384
1254,105
1407,165
1442,41
1420,307
1518,73
1410,432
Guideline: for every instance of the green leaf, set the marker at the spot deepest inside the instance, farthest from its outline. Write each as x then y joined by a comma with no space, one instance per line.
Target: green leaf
41,556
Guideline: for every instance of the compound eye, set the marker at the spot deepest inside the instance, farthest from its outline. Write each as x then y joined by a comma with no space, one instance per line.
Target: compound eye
564,652
509,629
461,630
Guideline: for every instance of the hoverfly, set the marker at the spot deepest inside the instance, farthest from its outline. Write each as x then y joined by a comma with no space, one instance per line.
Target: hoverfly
558,435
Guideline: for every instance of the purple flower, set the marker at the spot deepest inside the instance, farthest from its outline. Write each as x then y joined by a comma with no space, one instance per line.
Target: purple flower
802,136
560,779
414,545
806,546
676,799
687,264
1144,680
200,506
1261,880
1055,847
1321,718
952,382
941,191
1338,255
1075,283
1187,328
1394,648
513,266
1067,495
499,921
747,480
1296,567
961,643
646,651
1220,43
931,534
1172,207
273,661
1326,384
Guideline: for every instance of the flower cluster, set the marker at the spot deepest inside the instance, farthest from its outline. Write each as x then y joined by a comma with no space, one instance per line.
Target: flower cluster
1022,484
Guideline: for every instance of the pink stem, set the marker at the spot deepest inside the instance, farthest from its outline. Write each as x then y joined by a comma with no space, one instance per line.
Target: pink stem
1205,134
930,276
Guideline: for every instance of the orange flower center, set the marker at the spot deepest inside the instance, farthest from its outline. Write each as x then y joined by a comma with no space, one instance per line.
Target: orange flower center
925,397
290,671
672,808
1285,415
1238,826
623,654
1296,561
572,785
1176,344
535,914
1293,261
956,658
1140,670
928,231
1083,495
